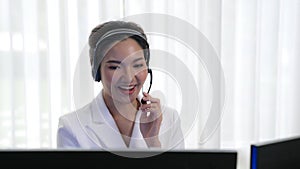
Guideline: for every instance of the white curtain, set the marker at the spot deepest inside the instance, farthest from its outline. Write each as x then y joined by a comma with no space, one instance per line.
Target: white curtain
260,55
43,55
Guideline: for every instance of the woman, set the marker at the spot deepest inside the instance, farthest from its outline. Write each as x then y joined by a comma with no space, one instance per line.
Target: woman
116,118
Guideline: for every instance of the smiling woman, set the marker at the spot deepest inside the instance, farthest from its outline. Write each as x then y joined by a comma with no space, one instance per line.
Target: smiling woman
117,117
41,43
124,71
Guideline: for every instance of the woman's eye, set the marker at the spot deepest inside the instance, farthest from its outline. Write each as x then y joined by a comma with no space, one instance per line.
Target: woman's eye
113,67
138,65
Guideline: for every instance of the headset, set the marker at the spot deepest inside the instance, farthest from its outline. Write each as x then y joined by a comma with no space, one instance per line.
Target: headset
119,34
151,77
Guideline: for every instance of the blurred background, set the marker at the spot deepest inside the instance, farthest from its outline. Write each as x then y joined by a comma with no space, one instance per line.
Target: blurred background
257,42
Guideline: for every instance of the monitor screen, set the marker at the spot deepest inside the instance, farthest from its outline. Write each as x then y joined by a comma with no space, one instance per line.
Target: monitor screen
187,159
278,154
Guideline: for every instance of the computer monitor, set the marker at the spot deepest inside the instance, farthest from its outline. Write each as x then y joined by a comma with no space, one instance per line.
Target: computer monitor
277,154
187,159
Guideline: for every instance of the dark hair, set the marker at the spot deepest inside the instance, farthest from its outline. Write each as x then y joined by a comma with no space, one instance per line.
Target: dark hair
108,33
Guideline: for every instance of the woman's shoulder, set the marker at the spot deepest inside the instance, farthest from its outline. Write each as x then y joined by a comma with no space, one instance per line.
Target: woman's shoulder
168,109
170,113
80,112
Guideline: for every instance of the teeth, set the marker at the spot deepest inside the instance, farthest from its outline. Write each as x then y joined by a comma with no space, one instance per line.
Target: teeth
126,87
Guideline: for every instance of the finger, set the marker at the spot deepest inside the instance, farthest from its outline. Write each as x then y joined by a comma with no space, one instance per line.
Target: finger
154,100
147,106
154,108
147,117
146,94
146,98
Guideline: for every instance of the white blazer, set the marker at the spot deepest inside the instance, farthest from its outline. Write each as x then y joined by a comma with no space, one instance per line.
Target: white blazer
93,127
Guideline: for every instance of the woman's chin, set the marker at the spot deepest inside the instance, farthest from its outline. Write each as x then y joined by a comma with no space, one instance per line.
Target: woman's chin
123,98
126,96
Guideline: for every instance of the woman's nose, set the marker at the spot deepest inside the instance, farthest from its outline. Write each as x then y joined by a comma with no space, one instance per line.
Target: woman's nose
128,74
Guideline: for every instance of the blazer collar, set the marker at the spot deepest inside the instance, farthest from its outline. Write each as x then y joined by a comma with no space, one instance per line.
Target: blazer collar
103,129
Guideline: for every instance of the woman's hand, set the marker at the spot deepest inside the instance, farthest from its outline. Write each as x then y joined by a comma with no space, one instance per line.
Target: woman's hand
150,120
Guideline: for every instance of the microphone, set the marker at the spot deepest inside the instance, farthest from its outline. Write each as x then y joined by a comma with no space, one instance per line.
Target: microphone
151,77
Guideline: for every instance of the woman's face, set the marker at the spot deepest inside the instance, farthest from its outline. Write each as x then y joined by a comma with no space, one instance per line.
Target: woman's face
123,71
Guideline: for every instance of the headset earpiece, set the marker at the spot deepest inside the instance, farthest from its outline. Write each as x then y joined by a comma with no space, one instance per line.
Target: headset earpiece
98,76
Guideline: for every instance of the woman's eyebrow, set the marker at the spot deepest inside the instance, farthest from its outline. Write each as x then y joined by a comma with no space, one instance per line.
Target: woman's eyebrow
135,60
119,62
113,61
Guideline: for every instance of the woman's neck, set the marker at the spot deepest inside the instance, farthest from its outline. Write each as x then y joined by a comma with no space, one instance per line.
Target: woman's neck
118,109
123,114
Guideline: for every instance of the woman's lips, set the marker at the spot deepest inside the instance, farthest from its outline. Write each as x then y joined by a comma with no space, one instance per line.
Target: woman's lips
127,89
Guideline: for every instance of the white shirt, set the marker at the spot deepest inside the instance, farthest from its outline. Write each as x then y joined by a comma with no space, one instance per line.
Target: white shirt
93,127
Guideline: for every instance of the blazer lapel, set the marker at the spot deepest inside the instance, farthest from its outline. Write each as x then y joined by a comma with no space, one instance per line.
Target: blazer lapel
137,139
102,128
